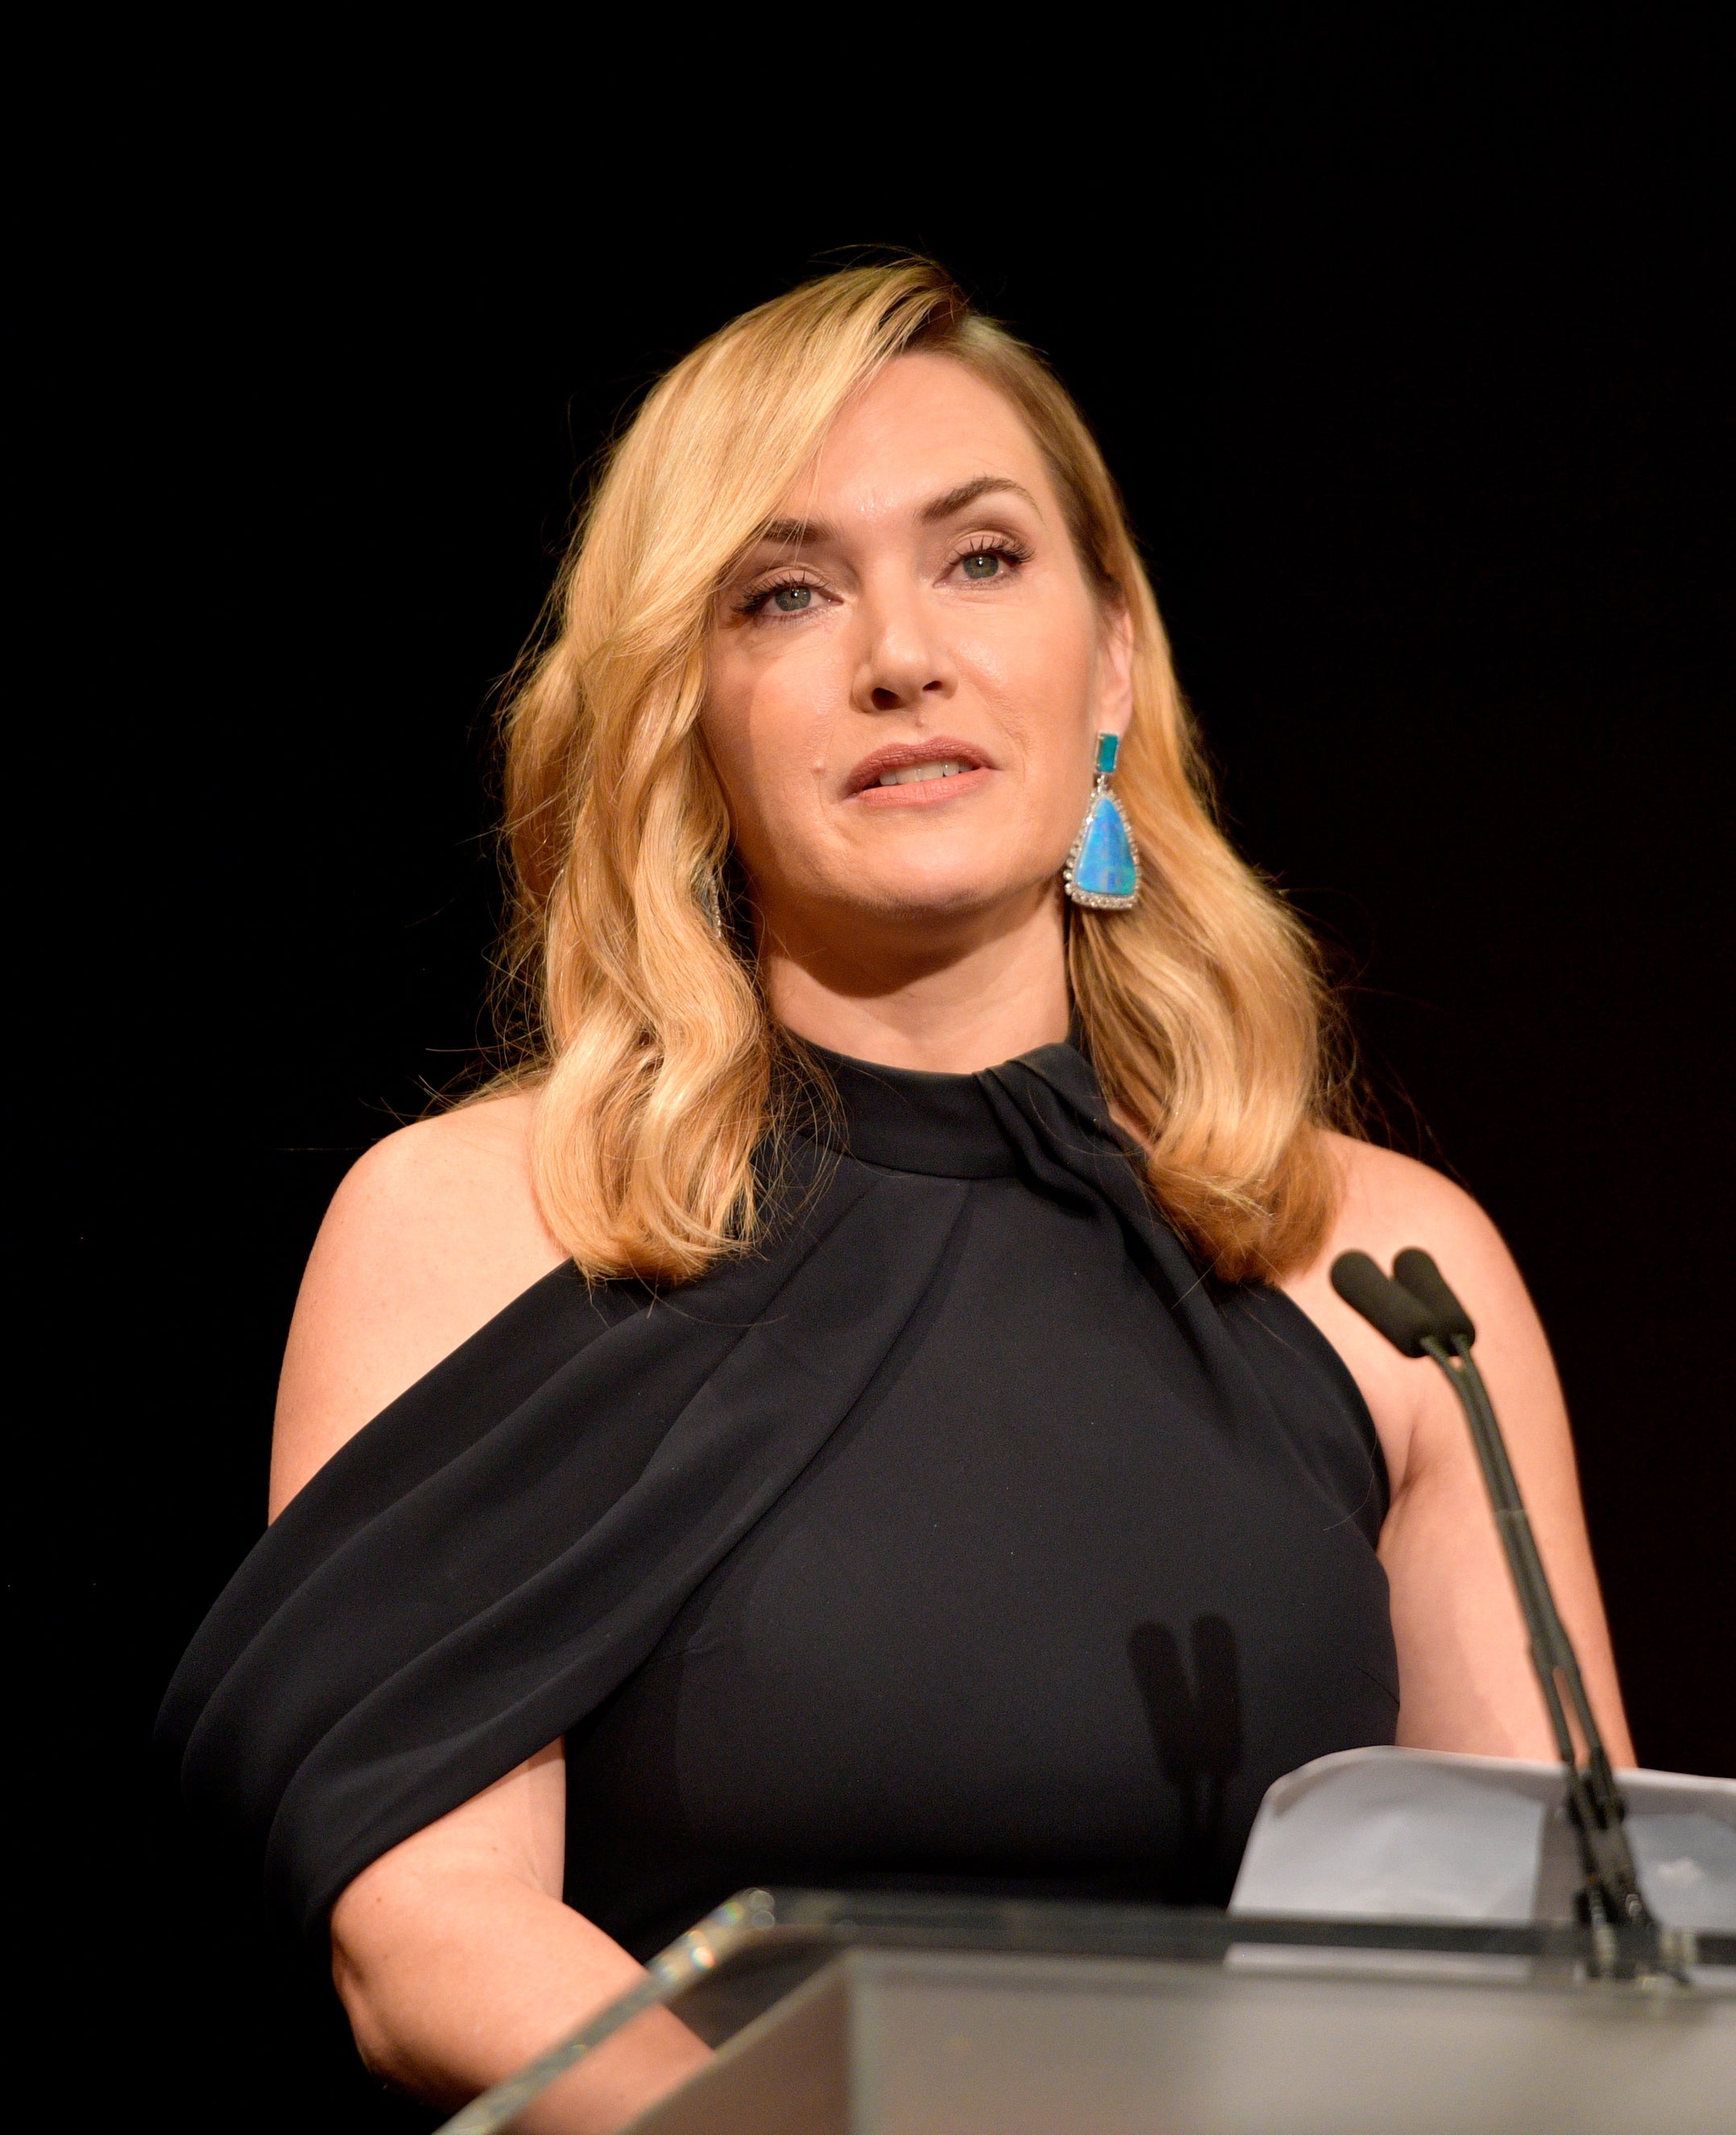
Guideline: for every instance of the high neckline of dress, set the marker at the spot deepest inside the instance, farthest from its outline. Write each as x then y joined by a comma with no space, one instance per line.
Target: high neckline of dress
948,1127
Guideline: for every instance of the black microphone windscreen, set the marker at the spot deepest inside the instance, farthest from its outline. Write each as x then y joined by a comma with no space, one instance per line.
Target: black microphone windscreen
1427,1286
1389,1310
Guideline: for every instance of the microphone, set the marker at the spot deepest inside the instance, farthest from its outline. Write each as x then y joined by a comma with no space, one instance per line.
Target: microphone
1419,1315
1415,1272
1387,1306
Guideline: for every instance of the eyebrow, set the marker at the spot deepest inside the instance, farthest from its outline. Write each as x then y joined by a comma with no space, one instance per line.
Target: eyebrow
807,533
968,492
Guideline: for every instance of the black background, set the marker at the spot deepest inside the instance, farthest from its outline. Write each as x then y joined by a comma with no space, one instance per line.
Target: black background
1405,353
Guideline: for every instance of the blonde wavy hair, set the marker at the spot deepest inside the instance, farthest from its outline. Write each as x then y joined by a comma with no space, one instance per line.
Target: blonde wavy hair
644,1024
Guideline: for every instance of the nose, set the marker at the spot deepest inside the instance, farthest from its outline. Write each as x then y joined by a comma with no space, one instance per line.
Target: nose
905,662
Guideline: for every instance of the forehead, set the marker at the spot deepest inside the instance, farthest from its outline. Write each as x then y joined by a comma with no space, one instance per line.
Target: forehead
919,428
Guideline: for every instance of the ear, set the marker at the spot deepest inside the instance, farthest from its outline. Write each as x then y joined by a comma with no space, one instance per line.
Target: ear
1115,671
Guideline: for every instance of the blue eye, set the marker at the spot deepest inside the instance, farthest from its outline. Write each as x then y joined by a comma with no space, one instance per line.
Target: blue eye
792,600
985,563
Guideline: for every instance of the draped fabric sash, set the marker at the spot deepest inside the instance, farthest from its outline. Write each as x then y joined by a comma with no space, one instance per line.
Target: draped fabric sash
493,1554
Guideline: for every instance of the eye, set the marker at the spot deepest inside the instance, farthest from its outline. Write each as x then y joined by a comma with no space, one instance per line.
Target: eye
990,557
783,596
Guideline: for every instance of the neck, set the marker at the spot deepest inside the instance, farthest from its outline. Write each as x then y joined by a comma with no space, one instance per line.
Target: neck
949,996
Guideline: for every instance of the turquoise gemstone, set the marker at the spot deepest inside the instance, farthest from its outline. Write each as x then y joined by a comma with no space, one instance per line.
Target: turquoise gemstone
1109,748
1105,862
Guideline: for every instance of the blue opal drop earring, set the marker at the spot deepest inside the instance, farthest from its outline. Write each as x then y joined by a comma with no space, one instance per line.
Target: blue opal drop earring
1102,868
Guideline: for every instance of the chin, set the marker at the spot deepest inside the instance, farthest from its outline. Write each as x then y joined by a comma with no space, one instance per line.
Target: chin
943,893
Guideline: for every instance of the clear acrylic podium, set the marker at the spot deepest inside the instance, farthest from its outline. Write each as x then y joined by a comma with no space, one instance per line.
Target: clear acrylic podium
890,2014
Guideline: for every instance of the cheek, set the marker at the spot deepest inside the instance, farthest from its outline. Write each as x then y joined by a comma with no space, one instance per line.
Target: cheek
1042,679
762,727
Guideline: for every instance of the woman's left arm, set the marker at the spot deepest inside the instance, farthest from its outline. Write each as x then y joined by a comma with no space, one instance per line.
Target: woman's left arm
1465,1675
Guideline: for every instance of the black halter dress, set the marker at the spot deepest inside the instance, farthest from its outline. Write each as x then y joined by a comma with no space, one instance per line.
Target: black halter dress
964,1535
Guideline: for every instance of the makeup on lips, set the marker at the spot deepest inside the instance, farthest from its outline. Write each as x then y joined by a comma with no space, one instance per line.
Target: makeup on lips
918,774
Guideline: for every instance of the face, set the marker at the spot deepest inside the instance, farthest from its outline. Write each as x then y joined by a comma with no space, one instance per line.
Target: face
908,670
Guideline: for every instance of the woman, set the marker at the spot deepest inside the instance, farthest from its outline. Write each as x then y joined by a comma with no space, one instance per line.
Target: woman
865,1401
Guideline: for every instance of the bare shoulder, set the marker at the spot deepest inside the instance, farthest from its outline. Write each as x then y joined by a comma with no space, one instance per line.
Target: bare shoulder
430,1235
1387,1202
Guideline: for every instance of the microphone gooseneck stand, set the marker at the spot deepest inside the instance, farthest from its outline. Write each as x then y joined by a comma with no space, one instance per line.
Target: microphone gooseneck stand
1421,1316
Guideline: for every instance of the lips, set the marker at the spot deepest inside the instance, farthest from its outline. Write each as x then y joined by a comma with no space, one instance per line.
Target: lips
904,765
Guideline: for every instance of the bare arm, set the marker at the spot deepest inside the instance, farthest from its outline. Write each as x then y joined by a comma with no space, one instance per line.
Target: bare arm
1465,1676
454,1958
458,1963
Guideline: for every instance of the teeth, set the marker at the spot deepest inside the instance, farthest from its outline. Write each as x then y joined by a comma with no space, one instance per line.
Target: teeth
913,774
